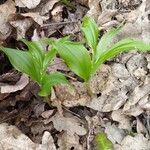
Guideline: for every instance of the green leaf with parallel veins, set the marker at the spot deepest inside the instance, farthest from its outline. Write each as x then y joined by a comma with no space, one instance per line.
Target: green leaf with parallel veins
36,48
105,42
22,61
121,46
48,58
91,32
75,56
103,143
50,80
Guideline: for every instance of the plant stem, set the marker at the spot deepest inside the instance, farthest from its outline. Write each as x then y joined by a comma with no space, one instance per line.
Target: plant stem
88,88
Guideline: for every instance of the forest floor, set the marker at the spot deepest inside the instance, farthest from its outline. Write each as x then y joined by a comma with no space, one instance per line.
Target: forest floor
121,107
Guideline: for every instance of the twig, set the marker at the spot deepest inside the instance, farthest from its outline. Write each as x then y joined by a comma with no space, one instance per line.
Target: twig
59,23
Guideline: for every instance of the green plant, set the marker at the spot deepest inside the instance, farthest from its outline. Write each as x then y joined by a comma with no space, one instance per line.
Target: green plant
34,63
103,143
79,59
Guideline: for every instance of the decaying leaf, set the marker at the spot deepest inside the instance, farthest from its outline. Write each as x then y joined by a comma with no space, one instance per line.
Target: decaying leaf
124,120
114,134
27,3
138,142
70,124
48,6
95,9
24,80
67,142
6,10
12,138
36,17
22,26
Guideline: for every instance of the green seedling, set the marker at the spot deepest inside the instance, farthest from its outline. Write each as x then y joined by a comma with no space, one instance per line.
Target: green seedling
103,143
34,63
85,64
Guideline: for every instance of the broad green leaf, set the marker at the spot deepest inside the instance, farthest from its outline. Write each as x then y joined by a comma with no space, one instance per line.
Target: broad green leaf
48,58
50,80
36,48
91,32
121,46
75,56
103,143
105,42
22,61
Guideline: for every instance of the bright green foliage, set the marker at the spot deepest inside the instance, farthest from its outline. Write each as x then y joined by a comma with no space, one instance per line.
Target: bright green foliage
103,143
75,56
34,63
78,58
91,32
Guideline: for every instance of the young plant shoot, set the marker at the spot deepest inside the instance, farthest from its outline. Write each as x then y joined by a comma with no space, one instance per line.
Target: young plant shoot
34,63
84,64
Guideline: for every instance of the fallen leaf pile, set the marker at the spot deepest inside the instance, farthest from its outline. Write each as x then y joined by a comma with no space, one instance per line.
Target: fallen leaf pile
121,107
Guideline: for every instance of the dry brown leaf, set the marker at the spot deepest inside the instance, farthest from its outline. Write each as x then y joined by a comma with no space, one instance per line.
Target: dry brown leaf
22,26
27,3
140,128
124,120
137,95
47,114
134,110
114,134
106,17
6,10
67,142
120,71
57,13
69,124
12,138
36,17
95,9
24,80
138,142
48,6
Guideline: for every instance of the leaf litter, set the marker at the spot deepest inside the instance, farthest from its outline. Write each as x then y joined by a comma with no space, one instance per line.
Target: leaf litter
121,85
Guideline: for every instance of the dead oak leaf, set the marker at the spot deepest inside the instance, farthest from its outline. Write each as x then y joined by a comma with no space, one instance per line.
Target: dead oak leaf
27,3
24,80
70,124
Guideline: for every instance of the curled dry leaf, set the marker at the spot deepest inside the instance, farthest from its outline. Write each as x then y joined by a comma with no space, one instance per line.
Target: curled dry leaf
6,10
22,26
48,6
12,138
69,124
36,17
24,80
27,3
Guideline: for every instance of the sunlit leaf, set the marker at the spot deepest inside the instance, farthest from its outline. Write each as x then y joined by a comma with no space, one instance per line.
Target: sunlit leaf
121,46
36,48
75,56
50,80
22,61
103,143
91,32
48,58
105,41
